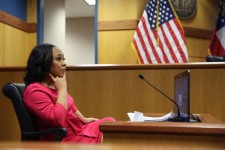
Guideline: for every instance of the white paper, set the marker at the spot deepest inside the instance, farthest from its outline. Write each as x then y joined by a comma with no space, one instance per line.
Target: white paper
138,117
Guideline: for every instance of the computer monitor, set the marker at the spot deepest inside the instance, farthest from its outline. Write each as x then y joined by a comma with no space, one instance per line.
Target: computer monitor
182,94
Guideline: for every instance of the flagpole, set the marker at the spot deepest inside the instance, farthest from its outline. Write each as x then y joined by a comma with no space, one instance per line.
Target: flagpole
157,22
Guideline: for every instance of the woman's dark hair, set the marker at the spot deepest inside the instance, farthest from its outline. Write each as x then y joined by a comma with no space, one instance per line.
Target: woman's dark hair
39,63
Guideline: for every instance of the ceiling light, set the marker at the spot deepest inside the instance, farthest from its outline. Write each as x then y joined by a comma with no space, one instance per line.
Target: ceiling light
90,2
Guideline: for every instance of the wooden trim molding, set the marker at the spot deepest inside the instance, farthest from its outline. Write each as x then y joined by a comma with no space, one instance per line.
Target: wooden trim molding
132,25
117,25
202,65
17,23
198,33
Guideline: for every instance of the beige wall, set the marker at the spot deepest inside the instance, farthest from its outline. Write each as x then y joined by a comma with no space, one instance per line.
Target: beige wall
80,48
115,46
55,23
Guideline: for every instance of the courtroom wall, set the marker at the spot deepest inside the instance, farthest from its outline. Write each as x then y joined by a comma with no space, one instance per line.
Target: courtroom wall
15,43
115,92
114,46
80,45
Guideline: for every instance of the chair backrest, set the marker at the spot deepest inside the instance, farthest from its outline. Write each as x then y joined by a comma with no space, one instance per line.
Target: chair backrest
14,91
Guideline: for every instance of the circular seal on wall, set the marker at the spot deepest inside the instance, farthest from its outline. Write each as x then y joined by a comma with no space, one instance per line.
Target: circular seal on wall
185,9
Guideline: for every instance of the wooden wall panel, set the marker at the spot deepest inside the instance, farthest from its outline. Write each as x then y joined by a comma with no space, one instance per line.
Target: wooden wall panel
197,48
111,53
31,41
2,42
9,126
16,44
114,47
17,23
31,38
32,11
15,47
115,92
120,9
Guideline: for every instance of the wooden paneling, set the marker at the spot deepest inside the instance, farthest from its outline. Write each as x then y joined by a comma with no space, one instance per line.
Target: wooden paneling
205,132
114,47
131,129
2,42
117,25
109,10
32,11
153,144
120,53
9,126
197,48
31,38
200,65
101,91
17,23
198,33
17,37
31,41
114,93
15,47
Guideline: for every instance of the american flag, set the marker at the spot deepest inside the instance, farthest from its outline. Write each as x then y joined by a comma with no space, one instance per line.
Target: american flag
217,46
159,37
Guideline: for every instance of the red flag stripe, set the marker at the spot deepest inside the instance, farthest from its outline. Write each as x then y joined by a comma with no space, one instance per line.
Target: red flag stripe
153,37
140,49
176,42
169,46
169,54
173,39
143,45
180,43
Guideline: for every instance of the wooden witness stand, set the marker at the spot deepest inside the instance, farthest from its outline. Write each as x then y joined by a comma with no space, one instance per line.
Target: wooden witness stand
120,135
209,132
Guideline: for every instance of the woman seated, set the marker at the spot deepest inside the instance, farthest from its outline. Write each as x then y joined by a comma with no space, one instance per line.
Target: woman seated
47,99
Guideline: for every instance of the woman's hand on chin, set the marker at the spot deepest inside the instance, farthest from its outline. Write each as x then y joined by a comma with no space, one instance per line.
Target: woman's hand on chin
59,82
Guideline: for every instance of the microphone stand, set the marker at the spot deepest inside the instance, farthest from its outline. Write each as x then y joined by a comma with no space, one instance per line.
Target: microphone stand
174,119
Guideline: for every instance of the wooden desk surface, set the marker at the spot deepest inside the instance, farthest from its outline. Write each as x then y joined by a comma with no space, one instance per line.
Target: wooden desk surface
115,146
210,131
209,125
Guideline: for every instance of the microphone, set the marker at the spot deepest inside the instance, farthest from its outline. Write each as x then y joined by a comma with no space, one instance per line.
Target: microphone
211,58
174,119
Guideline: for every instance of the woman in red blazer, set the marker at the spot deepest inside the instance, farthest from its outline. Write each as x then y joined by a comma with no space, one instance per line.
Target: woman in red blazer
46,97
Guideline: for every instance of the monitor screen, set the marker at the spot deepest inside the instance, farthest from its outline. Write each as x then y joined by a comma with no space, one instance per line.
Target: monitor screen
182,94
